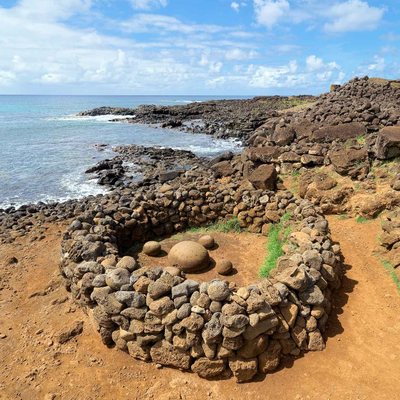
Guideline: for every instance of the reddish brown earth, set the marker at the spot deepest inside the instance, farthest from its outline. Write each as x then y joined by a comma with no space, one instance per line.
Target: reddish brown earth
246,251
361,361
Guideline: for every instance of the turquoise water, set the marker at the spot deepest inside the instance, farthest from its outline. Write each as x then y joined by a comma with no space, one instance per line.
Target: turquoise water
45,149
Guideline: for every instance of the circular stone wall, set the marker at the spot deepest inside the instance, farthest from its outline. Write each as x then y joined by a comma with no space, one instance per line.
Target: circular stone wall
213,328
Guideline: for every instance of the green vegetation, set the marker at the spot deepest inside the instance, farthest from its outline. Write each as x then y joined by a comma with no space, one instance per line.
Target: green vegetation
342,217
360,139
362,220
230,225
389,267
277,237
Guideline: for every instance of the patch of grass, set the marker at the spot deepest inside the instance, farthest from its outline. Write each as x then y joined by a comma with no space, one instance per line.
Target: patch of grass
361,139
389,267
362,220
231,225
277,237
342,217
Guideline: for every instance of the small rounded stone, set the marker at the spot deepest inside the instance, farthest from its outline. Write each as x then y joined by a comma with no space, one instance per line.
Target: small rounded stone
152,248
128,263
207,241
224,267
189,256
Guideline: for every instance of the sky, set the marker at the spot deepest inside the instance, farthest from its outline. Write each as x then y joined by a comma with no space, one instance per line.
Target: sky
199,47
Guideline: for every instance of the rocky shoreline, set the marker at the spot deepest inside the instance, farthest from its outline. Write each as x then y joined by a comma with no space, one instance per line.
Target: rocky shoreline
351,133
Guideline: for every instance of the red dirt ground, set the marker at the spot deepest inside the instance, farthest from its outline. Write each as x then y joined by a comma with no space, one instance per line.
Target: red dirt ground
361,361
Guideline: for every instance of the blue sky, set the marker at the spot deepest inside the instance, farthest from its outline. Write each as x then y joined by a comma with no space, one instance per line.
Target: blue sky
240,47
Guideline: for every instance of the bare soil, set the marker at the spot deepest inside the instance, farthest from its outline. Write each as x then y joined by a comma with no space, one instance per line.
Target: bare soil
361,361
245,250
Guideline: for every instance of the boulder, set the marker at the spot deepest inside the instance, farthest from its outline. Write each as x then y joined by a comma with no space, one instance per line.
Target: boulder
261,155
115,278
388,143
340,132
223,168
243,369
218,290
264,177
269,360
164,353
208,369
224,267
189,256
207,241
152,248
254,347
350,161
283,135
128,263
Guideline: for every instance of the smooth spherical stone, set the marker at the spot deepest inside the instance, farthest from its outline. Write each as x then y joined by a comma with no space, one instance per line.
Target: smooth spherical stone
152,248
224,267
207,241
189,256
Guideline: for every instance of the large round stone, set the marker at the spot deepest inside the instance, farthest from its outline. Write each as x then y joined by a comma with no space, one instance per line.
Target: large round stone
189,256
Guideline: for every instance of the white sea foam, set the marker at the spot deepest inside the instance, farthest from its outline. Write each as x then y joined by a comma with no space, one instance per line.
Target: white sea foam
77,187
99,118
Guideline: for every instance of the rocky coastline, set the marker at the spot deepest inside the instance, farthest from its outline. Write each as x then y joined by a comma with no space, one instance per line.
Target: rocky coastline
350,134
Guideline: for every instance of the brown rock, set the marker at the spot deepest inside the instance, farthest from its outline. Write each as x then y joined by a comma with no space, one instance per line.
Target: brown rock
224,267
388,143
254,347
208,369
263,154
152,248
269,360
223,168
189,256
315,341
165,354
207,241
340,132
264,177
243,369
68,334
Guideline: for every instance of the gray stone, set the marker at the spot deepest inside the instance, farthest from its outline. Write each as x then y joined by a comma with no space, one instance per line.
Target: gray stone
218,290
115,278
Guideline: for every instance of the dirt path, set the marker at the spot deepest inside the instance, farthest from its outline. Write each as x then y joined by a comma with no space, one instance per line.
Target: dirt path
361,361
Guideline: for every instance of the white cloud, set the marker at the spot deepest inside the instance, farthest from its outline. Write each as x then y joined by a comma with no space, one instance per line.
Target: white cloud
269,12
148,4
314,63
6,77
293,74
235,6
353,15
149,22
378,65
240,55
336,17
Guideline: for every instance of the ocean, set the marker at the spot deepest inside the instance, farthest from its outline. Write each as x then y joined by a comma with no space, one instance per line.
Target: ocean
45,147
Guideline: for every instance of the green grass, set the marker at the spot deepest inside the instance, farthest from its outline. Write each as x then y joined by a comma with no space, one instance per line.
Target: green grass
360,139
362,220
277,237
342,217
389,267
231,225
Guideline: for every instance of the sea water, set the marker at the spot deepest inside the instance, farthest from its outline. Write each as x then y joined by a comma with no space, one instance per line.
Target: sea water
45,148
